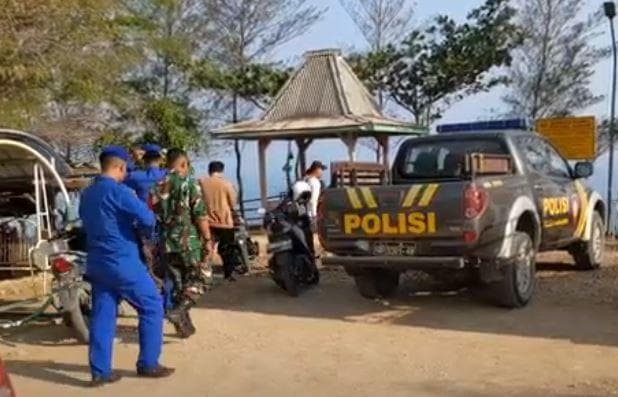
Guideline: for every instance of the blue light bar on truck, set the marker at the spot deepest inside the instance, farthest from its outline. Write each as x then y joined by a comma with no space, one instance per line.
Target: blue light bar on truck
479,126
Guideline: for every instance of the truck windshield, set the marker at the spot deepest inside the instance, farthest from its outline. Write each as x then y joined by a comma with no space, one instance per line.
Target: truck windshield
445,159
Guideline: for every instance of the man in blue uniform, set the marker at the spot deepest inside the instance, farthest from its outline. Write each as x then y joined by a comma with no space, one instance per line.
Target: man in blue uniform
110,213
142,180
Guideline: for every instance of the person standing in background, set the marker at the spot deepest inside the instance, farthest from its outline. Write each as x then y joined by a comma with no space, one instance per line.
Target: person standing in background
220,197
67,214
142,180
136,161
313,177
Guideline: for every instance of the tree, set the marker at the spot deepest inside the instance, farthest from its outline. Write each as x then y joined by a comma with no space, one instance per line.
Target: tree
602,137
172,34
443,63
247,32
373,69
382,24
551,72
59,61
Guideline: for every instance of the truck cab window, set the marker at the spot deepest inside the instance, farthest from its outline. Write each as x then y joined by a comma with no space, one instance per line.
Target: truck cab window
543,158
445,159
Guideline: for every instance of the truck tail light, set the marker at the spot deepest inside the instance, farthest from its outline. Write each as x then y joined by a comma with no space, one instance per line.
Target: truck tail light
470,236
60,265
475,200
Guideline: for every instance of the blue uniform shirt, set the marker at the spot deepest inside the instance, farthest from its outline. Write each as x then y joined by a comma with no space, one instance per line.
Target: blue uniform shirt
141,181
110,213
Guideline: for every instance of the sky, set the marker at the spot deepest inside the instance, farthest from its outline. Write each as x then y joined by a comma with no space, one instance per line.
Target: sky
337,30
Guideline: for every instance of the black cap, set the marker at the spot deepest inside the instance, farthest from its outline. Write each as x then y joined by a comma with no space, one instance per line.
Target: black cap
315,165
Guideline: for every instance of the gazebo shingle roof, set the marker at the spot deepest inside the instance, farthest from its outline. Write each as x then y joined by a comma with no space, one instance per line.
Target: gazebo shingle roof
323,98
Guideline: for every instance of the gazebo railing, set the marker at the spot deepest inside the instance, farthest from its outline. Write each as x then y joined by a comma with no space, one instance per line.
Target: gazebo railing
252,206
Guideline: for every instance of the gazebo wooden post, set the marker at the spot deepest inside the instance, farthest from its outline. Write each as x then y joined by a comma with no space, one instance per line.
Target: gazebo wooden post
383,143
302,144
262,146
350,142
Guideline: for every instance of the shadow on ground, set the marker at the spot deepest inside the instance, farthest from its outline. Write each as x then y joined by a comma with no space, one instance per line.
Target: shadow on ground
55,372
569,305
53,335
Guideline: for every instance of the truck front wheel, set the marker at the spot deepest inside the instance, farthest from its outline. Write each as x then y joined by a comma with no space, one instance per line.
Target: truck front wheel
376,283
517,285
588,255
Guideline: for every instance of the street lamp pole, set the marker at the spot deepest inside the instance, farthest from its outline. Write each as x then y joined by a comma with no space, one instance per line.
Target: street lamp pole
610,12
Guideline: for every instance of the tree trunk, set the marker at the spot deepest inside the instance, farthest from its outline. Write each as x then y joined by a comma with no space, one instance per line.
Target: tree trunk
238,158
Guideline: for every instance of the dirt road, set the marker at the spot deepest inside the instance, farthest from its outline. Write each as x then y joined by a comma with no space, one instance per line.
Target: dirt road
254,341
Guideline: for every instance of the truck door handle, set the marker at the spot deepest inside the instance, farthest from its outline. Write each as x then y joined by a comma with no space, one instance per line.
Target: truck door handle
539,187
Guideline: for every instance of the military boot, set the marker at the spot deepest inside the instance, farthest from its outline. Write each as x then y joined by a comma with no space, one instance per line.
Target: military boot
179,317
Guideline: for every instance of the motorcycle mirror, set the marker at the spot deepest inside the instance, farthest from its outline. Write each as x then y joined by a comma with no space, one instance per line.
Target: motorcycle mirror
261,211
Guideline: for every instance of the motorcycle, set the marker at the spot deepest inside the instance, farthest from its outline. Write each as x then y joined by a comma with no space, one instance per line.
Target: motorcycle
74,292
292,264
244,250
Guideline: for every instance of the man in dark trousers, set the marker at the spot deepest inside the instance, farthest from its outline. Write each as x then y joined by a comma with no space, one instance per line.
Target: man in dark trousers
110,213
220,197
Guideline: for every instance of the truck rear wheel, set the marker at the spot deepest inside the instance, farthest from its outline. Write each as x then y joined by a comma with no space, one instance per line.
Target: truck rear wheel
517,285
376,283
588,255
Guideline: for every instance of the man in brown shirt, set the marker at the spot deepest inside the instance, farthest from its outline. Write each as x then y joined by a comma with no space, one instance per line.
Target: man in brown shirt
220,198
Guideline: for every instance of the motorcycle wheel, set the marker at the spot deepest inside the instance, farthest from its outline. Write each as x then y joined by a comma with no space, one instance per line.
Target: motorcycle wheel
284,263
78,306
313,274
315,278
274,273
241,266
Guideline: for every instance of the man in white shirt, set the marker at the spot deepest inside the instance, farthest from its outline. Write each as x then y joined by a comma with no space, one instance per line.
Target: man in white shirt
313,178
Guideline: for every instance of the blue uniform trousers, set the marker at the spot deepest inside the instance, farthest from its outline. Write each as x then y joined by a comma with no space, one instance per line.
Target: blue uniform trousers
147,301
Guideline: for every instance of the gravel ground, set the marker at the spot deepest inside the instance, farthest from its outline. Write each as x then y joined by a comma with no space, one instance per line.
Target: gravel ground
254,341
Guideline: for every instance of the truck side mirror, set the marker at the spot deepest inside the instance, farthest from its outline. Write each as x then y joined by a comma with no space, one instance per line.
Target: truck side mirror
583,169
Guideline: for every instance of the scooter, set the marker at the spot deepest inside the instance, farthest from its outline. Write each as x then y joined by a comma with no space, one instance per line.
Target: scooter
292,264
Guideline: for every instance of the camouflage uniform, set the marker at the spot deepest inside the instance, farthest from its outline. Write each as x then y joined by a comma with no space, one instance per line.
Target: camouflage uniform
177,202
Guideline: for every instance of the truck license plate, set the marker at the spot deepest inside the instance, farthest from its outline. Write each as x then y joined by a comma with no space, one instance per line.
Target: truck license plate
394,249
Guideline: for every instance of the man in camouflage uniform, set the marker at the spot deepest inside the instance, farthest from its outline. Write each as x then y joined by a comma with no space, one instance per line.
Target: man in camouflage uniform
185,236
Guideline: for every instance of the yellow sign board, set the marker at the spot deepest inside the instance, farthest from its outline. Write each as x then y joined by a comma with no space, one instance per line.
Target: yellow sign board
574,137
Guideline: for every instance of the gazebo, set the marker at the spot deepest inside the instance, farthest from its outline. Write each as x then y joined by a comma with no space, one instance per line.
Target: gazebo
323,99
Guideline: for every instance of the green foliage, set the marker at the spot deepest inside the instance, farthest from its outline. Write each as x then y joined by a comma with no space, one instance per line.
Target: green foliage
374,67
174,124
172,33
112,138
60,51
255,82
441,64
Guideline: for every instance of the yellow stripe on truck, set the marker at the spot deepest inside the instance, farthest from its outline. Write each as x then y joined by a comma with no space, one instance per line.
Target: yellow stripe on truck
428,195
353,198
368,196
583,211
411,196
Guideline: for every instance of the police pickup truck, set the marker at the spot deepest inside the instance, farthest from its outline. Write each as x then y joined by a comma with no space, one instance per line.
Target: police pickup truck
478,199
